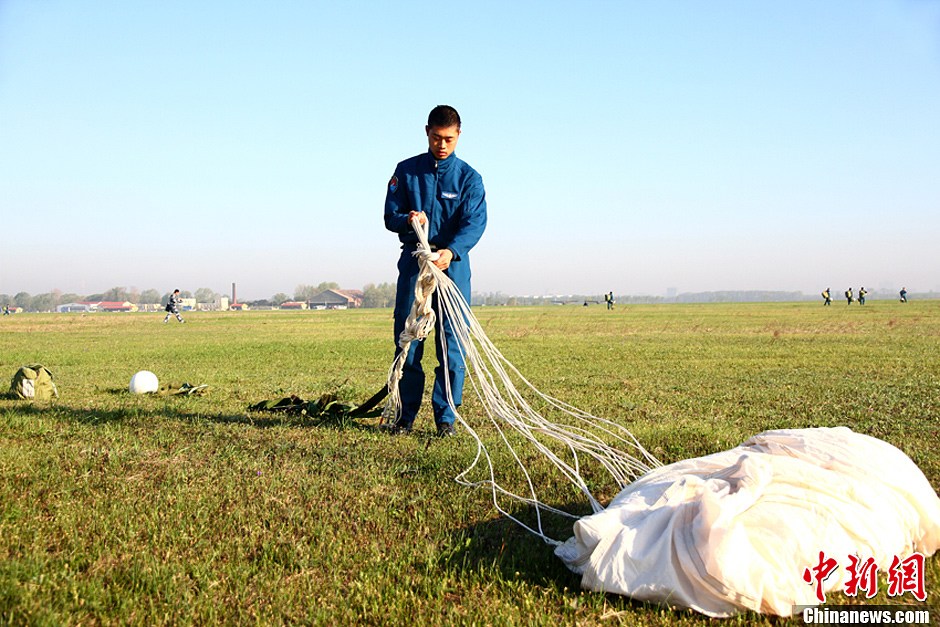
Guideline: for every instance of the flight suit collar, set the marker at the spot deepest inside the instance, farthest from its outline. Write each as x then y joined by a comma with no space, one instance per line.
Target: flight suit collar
442,166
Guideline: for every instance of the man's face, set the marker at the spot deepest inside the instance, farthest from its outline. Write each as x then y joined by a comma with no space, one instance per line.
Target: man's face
442,140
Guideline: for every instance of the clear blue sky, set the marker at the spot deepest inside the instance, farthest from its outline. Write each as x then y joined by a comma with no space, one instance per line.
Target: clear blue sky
625,146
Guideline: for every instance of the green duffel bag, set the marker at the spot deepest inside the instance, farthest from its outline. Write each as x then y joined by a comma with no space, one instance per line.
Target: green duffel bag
34,383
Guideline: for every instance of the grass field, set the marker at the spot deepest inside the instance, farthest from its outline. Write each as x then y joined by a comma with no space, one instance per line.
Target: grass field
122,509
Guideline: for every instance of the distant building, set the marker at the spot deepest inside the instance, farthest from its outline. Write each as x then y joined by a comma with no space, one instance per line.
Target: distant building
293,304
74,307
89,306
116,306
336,299
215,305
238,307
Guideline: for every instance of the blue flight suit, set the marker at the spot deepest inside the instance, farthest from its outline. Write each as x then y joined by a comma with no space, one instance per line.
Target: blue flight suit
451,194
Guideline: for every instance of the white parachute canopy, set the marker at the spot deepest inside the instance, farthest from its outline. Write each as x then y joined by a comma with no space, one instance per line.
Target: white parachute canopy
718,534
737,529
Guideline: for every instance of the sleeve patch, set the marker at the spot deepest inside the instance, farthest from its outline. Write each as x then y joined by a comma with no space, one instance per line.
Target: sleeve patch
393,184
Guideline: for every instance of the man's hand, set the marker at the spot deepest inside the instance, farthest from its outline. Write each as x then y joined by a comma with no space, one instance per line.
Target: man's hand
445,256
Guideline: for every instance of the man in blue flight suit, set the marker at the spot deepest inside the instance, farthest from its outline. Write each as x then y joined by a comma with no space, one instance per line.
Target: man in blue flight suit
443,192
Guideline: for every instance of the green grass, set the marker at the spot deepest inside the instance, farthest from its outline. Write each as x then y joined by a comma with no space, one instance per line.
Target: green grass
122,509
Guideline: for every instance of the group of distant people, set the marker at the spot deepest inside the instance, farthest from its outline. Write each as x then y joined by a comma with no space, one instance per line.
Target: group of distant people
850,297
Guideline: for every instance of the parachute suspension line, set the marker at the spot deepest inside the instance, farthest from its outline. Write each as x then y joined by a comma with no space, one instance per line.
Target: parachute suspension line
492,376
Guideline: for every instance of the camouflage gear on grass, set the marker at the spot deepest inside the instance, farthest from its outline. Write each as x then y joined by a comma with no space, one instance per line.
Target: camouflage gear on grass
34,383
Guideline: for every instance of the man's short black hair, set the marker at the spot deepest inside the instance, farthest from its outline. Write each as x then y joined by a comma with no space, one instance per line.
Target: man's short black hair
443,116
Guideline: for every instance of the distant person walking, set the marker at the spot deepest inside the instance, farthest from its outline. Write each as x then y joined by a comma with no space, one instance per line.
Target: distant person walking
827,297
609,299
173,307
903,294
861,295
848,296
6,310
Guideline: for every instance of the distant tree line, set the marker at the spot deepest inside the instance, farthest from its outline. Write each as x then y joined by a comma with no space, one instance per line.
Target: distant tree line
729,296
383,295
50,300
373,295
487,299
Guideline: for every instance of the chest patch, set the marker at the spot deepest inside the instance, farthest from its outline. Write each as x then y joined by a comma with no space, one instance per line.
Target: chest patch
449,195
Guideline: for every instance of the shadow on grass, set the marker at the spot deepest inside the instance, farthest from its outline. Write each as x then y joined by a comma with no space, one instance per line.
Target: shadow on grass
98,415
512,551
517,555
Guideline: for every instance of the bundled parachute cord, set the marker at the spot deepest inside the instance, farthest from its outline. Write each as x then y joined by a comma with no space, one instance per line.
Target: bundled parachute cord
582,435
420,321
